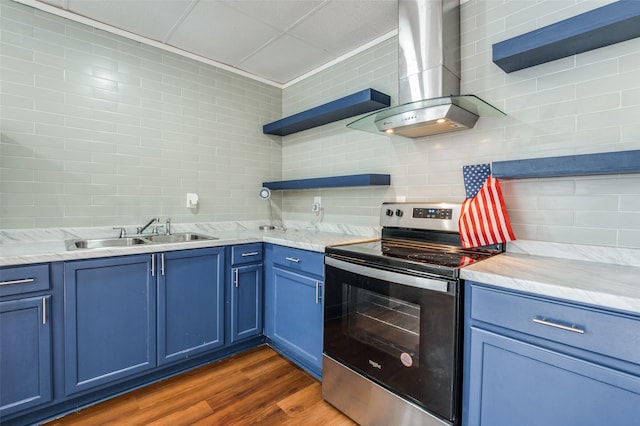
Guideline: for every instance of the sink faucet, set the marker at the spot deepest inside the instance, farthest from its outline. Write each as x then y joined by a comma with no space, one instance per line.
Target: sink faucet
140,229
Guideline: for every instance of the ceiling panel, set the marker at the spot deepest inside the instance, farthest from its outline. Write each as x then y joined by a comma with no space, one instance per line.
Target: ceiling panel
286,59
148,18
343,24
215,30
279,14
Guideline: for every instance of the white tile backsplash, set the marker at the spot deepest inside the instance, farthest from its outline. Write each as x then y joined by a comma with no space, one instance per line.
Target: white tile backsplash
101,130
581,104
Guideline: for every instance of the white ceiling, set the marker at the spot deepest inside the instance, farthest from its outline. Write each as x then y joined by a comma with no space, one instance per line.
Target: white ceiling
275,40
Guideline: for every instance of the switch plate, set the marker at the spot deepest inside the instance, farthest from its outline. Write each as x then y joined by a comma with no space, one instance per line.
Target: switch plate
317,204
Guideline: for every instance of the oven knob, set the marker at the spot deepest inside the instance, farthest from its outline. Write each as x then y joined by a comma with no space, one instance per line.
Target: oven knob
389,212
399,213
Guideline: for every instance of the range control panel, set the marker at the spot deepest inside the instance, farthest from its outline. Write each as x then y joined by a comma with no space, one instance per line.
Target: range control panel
430,213
440,216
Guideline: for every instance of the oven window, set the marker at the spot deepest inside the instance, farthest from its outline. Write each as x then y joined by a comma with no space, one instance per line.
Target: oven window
391,325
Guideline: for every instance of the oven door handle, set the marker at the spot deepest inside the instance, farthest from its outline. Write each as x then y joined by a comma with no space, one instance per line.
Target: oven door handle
394,277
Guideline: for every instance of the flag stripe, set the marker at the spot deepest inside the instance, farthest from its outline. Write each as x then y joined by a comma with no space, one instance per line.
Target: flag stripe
483,218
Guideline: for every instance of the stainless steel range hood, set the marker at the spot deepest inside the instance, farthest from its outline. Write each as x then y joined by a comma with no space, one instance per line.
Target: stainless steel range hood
429,75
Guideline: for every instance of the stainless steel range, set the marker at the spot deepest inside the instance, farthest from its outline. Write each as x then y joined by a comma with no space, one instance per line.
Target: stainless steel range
393,319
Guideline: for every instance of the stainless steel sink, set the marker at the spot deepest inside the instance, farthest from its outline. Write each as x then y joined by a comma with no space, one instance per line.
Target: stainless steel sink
105,242
93,243
180,237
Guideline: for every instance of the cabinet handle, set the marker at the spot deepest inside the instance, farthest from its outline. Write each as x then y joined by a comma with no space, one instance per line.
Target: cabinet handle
292,259
250,253
317,292
22,281
153,265
235,276
548,323
162,264
44,310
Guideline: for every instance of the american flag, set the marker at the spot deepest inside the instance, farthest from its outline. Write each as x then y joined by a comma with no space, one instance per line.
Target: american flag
483,219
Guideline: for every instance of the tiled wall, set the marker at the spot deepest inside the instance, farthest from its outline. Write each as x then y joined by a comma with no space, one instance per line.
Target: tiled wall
101,130
581,104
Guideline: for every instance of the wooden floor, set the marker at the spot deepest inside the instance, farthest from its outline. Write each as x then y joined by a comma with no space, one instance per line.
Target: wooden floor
258,387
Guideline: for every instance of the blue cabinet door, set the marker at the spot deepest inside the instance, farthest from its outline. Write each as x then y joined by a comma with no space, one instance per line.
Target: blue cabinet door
25,362
190,303
515,383
110,320
246,302
293,316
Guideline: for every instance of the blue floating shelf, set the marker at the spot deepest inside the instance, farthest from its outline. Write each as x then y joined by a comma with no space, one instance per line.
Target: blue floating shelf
571,165
331,182
600,27
358,103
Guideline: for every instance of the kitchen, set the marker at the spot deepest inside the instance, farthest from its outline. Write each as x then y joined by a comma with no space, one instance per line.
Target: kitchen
76,153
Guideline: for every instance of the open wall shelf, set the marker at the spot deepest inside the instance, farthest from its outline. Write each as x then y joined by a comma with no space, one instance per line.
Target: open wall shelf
331,182
609,24
358,103
571,165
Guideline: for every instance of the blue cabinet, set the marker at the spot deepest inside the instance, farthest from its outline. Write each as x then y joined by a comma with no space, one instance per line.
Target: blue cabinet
190,303
25,361
126,315
246,292
293,304
537,361
109,320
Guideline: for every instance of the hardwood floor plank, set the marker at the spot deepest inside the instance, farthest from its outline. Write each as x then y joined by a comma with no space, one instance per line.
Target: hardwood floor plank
107,412
258,387
297,403
185,417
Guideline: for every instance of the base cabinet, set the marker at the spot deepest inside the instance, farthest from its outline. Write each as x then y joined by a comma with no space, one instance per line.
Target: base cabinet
25,361
126,315
245,291
109,321
190,303
543,377
245,302
293,305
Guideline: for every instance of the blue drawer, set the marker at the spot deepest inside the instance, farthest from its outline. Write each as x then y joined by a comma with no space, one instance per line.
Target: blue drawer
299,260
246,253
24,279
604,332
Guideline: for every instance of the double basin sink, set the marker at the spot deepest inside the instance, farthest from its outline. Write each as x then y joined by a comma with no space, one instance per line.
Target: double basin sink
181,237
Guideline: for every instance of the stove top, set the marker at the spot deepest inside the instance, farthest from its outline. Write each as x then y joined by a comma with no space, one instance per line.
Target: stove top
417,238
446,256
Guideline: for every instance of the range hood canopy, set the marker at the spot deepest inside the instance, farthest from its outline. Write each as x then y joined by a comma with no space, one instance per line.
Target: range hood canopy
429,76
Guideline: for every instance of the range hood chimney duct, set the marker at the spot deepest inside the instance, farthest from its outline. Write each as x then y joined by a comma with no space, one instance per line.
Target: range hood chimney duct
429,75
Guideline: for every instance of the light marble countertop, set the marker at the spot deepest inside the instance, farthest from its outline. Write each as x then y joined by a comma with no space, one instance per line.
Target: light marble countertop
601,276
601,284
17,251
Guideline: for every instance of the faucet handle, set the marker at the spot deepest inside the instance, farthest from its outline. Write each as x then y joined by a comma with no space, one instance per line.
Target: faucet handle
167,226
123,232
155,228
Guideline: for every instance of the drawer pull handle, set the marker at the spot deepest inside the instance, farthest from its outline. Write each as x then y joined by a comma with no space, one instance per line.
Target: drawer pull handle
22,281
293,259
544,321
251,253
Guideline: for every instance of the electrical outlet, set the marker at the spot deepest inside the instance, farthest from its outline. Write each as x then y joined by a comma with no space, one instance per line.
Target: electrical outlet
317,204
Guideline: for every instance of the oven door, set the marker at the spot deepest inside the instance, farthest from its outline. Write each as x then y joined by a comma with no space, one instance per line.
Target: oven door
396,329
